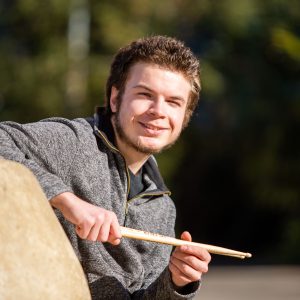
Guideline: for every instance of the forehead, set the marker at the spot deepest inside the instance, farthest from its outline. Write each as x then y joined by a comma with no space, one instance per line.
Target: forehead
157,77
143,68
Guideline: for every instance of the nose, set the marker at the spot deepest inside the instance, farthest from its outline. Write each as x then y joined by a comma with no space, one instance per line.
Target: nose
157,108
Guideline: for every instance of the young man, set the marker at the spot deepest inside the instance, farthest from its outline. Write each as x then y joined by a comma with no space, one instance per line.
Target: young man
100,173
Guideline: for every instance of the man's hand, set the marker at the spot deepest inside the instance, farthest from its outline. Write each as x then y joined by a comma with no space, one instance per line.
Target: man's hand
187,263
92,222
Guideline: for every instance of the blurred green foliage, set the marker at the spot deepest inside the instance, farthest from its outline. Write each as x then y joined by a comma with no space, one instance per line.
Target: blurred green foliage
235,173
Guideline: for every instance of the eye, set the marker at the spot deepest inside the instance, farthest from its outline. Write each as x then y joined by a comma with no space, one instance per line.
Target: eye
175,103
145,94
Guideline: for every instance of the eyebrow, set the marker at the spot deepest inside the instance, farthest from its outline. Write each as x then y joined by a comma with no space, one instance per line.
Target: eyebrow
152,91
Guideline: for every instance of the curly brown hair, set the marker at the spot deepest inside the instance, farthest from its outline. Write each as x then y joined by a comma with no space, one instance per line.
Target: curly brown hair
166,52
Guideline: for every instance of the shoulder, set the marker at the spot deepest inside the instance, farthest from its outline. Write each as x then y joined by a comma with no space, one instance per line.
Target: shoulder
69,129
66,124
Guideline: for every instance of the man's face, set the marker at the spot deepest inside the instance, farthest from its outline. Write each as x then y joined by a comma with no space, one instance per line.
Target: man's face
152,108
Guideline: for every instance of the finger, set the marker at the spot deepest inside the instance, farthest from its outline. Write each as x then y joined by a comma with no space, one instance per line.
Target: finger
179,278
83,229
115,231
198,252
201,253
188,271
192,261
94,232
186,236
114,242
104,232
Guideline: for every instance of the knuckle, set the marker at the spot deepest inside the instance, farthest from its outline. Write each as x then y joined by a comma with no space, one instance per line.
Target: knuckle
105,214
89,222
192,261
99,218
185,269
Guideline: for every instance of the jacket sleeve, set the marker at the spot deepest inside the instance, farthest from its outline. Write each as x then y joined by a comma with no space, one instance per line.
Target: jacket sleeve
163,288
41,147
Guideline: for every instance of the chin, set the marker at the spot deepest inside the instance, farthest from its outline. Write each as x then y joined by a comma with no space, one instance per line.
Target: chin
151,142
149,148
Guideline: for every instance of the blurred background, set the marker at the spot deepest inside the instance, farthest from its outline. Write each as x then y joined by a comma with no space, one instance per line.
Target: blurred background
235,173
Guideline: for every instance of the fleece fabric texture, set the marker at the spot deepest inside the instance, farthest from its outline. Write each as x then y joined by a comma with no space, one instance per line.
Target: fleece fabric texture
77,156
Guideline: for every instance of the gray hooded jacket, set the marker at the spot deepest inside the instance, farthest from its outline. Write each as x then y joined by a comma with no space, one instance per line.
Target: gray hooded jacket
78,156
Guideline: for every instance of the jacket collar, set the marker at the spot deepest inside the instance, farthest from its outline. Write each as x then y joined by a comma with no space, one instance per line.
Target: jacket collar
103,128
103,123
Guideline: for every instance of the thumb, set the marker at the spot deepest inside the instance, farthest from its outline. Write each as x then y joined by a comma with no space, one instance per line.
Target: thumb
186,236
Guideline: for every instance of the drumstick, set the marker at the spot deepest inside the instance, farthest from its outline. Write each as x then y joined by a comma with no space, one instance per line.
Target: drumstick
153,237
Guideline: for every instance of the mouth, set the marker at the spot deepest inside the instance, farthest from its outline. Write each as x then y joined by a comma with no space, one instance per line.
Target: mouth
152,129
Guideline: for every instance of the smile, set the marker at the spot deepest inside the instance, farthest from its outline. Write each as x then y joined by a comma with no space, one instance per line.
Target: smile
149,126
151,129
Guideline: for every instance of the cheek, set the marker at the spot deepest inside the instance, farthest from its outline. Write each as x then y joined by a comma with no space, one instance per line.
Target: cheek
126,111
128,114
133,114
176,121
138,107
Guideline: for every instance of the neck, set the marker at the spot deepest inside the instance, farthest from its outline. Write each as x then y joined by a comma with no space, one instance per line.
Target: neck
134,158
136,166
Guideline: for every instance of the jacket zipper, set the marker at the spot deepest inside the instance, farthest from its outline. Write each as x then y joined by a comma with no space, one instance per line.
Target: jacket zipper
126,167
127,202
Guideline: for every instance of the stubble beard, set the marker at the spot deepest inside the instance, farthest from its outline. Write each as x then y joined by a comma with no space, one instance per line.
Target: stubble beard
136,144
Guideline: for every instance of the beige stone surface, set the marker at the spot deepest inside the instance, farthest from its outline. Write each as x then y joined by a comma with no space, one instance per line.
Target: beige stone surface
36,258
251,283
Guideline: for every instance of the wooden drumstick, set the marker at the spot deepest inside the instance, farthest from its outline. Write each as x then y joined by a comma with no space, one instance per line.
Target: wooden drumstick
153,237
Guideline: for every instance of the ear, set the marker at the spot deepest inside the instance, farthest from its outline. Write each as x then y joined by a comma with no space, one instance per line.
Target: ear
113,99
